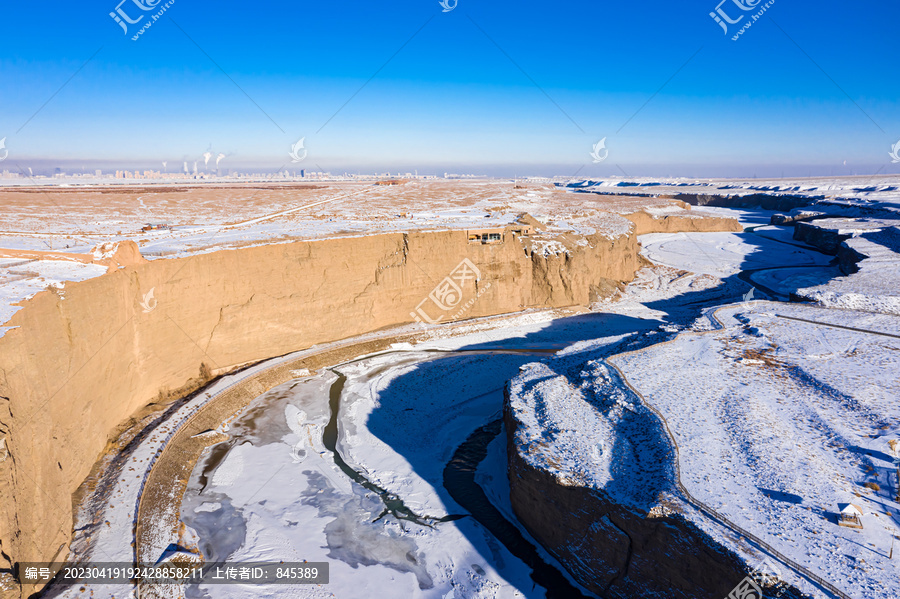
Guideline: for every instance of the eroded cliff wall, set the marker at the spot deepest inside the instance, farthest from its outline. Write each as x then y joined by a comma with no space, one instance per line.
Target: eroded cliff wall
82,360
646,223
615,551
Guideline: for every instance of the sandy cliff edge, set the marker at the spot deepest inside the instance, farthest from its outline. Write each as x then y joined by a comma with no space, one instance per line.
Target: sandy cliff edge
78,365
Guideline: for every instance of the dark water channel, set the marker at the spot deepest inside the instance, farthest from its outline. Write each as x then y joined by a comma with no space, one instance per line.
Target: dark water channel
393,505
459,480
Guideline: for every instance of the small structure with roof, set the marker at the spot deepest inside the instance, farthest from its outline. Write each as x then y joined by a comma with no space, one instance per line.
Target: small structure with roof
850,515
156,227
486,235
498,234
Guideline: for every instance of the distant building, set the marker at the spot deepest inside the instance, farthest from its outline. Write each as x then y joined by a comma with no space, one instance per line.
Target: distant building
497,234
156,227
850,515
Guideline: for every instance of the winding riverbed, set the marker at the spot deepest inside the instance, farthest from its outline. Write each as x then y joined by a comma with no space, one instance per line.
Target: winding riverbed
382,466
392,467
437,526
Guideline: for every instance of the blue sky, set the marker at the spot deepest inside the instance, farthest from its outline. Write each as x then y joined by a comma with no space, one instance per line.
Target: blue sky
496,87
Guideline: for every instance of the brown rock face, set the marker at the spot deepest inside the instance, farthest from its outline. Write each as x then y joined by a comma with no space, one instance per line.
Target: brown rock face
646,223
126,253
80,363
827,239
613,551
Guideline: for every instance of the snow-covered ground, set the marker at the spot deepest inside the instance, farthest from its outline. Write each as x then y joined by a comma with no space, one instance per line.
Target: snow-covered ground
22,278
725,254
883,190
777,420
105,523
875,287
402,416
791,419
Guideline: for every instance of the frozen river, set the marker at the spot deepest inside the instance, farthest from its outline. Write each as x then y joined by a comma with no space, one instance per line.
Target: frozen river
384,468
392,467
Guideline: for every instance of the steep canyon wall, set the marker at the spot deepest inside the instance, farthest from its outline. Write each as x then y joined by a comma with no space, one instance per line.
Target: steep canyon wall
82,360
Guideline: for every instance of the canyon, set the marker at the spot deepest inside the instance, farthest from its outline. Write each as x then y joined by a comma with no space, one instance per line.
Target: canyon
81,361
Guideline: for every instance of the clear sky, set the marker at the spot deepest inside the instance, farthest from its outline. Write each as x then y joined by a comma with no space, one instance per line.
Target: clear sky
496,87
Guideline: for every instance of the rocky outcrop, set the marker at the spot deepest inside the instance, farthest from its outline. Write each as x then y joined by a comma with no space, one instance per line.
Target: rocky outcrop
781,202
796,216
614,550
649,223
827,234
118,254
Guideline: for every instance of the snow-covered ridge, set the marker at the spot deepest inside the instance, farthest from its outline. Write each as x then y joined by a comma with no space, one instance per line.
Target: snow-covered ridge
591,432
852,186
871,260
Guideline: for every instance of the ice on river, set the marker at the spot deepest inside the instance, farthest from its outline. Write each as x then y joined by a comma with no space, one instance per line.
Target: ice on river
275,494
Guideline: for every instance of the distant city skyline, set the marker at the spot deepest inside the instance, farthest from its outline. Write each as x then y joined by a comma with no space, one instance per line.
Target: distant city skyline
497,89
44,168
